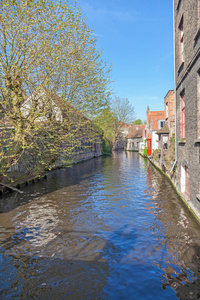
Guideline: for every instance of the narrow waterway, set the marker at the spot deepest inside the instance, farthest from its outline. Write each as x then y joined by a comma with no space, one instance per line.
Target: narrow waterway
108,228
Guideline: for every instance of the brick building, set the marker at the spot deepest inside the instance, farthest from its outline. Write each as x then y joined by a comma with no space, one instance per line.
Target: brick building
155,121
187,89
169,103
168,130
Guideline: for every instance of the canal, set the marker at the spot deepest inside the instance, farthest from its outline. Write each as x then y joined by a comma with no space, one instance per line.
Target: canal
108,228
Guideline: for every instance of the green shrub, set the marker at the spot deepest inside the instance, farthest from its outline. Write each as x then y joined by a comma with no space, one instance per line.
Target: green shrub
145,149
106,147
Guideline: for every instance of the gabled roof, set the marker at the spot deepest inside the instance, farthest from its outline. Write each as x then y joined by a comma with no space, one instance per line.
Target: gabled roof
69,112
153,117
137,132
164,129
122,124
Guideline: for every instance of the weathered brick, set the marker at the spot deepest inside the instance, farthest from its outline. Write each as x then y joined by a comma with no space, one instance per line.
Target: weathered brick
186,78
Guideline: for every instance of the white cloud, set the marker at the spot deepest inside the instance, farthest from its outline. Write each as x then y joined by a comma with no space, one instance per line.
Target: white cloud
117,15
97,35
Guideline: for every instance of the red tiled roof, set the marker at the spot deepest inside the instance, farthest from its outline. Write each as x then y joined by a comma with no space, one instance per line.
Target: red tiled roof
164,129
153,117
122,124
137,131
149,137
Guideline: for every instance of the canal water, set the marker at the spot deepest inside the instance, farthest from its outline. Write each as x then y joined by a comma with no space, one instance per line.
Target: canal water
108,228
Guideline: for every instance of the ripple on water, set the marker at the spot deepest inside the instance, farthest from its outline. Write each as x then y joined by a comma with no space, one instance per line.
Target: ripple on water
111,228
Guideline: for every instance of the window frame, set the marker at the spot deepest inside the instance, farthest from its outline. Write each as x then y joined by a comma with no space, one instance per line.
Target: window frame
181,41
167,110
182,116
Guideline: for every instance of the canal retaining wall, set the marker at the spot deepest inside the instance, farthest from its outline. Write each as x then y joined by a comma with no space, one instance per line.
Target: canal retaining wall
19,175
172,178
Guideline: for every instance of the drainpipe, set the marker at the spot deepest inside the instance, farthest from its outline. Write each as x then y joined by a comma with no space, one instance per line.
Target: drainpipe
174,89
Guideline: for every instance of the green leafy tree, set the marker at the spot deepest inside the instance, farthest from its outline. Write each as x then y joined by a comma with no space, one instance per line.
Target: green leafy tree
105,122
138,122
111,121
46,44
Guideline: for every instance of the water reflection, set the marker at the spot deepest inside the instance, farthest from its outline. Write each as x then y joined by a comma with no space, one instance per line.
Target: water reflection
109,228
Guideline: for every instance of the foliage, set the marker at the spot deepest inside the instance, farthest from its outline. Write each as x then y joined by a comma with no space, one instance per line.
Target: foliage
106,147
170,154
105,123
145,149
155,154
138,122
47,45
113,118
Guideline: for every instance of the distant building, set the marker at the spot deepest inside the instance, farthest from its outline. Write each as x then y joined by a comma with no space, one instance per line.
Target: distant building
187,89
168,130
134,138
121,139
155,121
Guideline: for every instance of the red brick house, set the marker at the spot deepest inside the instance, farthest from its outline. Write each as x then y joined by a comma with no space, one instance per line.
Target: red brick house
155,121
168,130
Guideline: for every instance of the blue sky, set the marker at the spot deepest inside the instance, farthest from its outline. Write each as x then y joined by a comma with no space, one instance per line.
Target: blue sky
137,37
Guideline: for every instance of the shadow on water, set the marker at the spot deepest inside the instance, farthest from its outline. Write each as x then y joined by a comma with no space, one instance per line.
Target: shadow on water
56,180
79,271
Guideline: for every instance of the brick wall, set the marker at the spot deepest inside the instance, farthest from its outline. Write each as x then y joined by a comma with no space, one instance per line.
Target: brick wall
169,101
186,76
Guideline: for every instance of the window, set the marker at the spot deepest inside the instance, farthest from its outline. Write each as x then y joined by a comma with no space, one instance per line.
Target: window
161,123
181,41
182,115
166,110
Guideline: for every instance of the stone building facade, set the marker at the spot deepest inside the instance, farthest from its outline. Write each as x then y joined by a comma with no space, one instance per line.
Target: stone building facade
187,89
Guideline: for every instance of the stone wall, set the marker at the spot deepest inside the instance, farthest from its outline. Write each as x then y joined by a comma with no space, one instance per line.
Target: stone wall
30,164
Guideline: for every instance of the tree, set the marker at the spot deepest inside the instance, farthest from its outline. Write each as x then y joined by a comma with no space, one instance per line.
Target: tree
105,122
123,113
45,44
138,122
119,113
